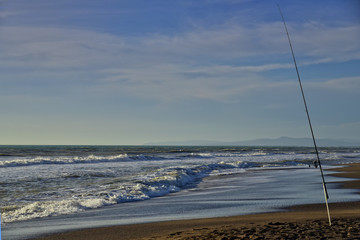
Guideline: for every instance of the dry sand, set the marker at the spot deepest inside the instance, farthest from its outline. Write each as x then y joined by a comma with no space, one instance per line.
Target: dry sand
299,222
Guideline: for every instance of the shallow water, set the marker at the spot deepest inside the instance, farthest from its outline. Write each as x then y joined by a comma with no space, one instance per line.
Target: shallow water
53,186
230,195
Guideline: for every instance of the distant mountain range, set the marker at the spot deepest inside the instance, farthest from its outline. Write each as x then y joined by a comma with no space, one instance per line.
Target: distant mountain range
281,141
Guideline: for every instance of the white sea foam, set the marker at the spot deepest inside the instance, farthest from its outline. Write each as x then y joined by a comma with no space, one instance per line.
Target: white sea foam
159,183
73,182
201,155
15,162
51,208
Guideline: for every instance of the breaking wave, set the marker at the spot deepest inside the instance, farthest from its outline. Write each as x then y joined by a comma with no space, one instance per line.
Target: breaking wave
16,162
160,183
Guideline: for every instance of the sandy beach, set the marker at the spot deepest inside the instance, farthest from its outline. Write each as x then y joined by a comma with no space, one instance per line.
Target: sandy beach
305,222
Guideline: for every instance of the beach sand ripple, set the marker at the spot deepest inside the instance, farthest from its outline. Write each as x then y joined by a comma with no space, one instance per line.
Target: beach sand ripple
314,229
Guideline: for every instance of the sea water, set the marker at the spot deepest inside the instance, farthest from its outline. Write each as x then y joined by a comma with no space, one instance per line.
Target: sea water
131,184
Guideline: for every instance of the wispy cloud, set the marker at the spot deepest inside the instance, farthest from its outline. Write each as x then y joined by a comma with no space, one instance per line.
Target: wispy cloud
51,48
189,64
4,15
339,43
130,66
226,42
348,84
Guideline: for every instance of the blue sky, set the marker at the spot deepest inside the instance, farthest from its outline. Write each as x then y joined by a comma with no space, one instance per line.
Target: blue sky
138,71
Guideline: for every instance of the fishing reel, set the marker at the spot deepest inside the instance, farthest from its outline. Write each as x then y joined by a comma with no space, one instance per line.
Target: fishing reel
315,163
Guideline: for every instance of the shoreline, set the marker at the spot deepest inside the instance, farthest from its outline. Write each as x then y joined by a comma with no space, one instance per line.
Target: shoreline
294,222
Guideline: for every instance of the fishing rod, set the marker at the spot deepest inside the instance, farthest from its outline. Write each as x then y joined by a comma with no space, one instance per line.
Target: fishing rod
317,162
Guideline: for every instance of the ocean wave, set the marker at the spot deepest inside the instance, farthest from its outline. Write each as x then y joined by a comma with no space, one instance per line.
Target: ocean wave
49,208
17,162
196,155
159,183
162,181
133,174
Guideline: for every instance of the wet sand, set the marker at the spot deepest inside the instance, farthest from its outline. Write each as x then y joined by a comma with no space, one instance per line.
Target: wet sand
299,222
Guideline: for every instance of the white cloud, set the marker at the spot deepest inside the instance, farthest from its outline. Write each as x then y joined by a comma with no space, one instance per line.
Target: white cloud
4,15
348,84
338,43
54,48
186,65
224,42
219,83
